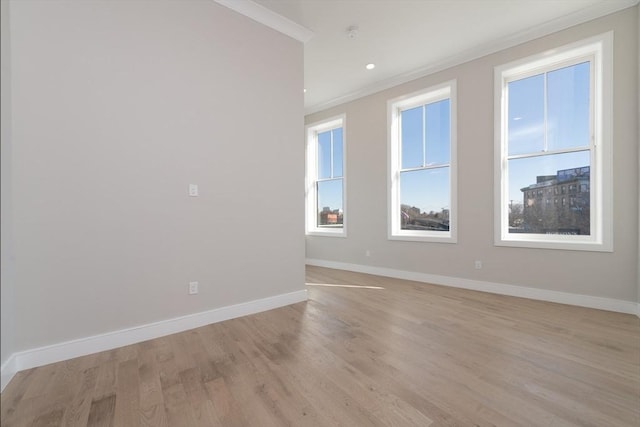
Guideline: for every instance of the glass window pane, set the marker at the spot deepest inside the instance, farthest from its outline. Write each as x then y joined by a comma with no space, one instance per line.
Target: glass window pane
424,199
526,115
568,107
544,197
324,155
411,138
437,132
330,210
337,152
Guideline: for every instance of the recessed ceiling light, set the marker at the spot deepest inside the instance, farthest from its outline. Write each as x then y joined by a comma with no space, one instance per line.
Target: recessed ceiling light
304,90
370,66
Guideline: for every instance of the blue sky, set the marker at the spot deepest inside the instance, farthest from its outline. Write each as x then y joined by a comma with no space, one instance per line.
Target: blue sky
427,189
566,126
330,165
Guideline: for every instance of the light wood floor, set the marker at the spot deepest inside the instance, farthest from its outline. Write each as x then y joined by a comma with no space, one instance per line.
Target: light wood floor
377,352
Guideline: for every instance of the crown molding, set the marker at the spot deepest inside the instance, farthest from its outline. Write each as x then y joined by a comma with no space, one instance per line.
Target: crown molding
590,13
269,18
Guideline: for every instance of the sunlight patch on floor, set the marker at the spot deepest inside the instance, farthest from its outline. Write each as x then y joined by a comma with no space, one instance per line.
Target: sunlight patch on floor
343,286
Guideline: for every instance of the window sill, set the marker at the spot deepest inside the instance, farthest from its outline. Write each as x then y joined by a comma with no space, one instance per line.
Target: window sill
414,237
536,242
327,233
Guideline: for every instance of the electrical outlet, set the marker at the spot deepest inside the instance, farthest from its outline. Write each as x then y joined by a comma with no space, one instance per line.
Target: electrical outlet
367,252
478,265
193,190
193,288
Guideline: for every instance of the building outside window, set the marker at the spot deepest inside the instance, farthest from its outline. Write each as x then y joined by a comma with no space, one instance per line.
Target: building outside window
422,155
553,136
539,218
325,178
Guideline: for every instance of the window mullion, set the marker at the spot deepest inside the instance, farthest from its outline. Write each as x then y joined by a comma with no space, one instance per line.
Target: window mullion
316,146
316,203
331,151
546,128
548,153
424,135
430,167
329,179
592,130
317,185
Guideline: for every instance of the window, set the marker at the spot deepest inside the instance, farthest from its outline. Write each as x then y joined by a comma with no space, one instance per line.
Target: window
422,173
325,187
553,131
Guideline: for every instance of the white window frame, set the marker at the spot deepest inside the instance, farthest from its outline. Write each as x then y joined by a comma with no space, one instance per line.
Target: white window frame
311,193
446,90
598,50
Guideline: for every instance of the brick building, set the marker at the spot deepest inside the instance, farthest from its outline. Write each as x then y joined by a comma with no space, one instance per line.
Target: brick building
558,204
330,217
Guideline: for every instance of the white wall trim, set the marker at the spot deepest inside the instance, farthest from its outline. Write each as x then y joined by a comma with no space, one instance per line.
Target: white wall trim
9,369
601,303
81,347
584,15
269,18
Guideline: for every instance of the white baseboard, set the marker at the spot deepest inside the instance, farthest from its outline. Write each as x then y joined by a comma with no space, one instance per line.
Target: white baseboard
9,369
84,346
609,304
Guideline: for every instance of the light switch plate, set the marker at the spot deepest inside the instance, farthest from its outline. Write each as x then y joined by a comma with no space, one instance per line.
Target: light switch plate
193,288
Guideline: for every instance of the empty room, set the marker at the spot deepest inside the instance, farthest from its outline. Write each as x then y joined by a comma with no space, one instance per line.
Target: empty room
320,213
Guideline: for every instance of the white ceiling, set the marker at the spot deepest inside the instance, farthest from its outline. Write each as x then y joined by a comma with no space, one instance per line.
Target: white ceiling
407,39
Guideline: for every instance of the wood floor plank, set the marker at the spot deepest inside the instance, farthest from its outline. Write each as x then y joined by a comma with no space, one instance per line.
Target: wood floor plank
106,381
227,408
102,411
49,419
12,408
176,405
154,416
362,351
77,413
127,394
203,409
149,377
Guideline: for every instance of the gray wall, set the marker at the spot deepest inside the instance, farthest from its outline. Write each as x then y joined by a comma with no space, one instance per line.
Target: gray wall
7,298
117,107
612,275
